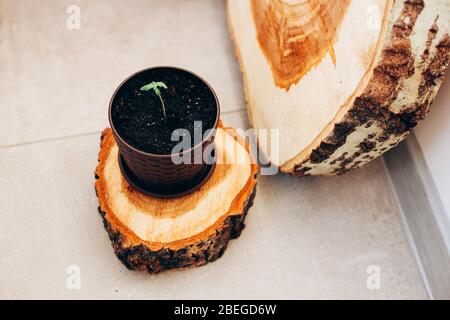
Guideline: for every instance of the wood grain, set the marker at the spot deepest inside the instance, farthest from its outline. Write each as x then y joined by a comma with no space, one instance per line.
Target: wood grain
356,104
154,234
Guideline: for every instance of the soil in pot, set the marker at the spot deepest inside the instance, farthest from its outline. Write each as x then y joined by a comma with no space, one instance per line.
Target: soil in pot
138,116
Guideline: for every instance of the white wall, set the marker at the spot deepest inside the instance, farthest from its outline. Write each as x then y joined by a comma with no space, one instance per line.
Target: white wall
433,135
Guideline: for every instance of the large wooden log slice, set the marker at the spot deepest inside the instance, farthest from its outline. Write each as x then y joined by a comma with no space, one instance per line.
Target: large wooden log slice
343,81
154,234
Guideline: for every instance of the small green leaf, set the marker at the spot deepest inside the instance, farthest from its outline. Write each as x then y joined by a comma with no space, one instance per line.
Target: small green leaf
161,84
149,86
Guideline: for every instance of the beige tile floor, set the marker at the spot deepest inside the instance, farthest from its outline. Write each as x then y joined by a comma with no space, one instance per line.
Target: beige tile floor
308,238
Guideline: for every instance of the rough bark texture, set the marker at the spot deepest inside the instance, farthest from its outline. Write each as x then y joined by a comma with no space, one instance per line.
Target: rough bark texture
405,80
136,255
197,254
374,108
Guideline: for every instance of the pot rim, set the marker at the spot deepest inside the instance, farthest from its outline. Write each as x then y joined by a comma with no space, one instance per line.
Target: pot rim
155,155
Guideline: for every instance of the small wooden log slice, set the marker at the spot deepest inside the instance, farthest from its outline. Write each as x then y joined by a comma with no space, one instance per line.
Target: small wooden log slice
152,234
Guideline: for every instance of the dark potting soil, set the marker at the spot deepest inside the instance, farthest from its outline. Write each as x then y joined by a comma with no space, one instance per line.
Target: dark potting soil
138,117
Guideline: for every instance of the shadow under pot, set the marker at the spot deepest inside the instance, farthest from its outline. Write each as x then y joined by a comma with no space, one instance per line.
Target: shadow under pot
164,121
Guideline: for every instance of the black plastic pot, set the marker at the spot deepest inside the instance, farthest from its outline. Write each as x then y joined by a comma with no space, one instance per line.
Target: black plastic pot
157,174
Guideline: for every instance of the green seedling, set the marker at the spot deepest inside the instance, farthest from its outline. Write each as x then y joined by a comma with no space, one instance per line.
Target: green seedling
155,87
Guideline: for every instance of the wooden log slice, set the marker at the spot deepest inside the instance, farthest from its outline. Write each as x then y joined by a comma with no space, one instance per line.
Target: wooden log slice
343,81
152,234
